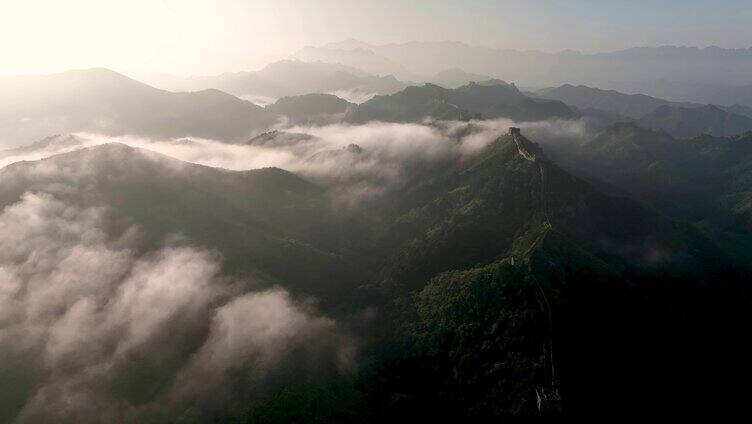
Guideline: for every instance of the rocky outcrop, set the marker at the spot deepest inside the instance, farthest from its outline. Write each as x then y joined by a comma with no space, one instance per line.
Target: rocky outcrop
527,149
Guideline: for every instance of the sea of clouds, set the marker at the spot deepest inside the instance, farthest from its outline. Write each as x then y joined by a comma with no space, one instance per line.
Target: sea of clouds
95,329
390,151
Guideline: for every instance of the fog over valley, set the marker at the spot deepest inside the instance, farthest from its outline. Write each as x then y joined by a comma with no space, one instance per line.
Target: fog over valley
348,212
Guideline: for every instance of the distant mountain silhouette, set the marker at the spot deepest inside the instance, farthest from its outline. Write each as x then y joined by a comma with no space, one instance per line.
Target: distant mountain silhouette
311,108
667,71
469,101
704,180
628,105
725,95
100,100
691,122
444,260
291,78
456,77
361,58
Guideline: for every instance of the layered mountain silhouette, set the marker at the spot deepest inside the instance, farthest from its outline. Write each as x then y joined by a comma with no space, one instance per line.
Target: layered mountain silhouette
275,200
700,180
270,205
103,101
456,77
724,94
618,256
356,57
496,232
261,221
291,78
691,122
470,271
462,228
681,119
627,105
707,75
474,100
311,108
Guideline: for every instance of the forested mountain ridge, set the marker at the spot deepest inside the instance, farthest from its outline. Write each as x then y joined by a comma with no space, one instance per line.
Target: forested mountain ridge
458,279
692,122
704,75
702,180
269,215
501,237
311,108
474,100
628,105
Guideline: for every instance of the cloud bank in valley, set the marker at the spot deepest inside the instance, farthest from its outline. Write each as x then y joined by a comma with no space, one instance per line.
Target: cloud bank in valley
355,95
389,154
262,101
92,330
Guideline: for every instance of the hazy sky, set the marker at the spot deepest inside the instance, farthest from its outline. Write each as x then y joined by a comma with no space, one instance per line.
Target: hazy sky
208,36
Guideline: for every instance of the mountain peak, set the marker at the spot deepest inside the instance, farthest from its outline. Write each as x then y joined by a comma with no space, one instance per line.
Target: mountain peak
94,72
471,101
349,44
100,76
528,149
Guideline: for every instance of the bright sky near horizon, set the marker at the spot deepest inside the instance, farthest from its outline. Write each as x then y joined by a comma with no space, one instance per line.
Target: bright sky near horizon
210,36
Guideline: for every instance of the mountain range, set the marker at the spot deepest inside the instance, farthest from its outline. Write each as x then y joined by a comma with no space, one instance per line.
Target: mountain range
684,122
681,119
103,101
456,77
475,100
416,259
268,214
290,78
701,180
707,75
627,105
570,241
311,108
451,262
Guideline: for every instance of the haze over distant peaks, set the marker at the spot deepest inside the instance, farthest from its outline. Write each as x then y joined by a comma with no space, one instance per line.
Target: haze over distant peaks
291,78
362,58
629,105
667,71
684,122
456,77
101,100
311,108
471,101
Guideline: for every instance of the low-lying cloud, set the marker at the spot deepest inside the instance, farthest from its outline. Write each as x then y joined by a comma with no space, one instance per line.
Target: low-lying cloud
259,100
355,95
94,330
384,155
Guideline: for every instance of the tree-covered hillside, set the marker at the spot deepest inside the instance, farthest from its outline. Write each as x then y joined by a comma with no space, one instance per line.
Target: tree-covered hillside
469,288
474,100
